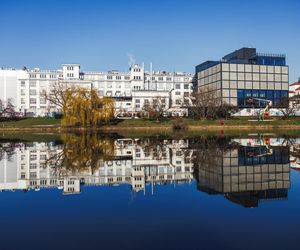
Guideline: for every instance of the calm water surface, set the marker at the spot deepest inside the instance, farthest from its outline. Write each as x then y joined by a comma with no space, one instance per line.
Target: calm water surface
101,192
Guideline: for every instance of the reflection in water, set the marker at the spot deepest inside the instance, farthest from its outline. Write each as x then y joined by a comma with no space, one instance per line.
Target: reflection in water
93,160
245,171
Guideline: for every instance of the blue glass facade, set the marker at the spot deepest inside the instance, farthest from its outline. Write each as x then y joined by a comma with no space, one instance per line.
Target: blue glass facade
244,95
261,155
270,60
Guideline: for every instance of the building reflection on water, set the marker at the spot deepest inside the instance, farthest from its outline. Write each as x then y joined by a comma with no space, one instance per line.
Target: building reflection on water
247,171
244,171
33,166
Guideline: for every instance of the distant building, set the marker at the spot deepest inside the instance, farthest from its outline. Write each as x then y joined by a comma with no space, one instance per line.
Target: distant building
243,76
295,88
129,89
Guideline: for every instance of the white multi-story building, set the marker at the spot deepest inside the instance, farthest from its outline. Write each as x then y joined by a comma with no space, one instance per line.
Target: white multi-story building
131,90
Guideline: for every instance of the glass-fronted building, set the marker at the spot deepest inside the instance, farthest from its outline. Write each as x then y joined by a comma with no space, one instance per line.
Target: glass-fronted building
246,173
245,78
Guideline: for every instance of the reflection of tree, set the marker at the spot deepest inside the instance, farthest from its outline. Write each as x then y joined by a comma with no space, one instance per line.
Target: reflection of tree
154,147
8,149
82,153
160,149
209,150
294,147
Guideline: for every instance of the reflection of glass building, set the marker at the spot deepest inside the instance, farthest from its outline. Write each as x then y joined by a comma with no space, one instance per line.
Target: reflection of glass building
243,76
246,175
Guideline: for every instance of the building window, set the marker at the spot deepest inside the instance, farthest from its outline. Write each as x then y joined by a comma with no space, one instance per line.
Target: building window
177,86
22,84
186,86
109,77
32,92
32,84
42,101
177,93
33,166
32,101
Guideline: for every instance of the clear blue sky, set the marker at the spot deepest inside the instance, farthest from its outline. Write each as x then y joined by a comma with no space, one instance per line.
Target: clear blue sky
174,35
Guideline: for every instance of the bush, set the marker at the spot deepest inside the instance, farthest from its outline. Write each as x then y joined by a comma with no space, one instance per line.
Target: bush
179,124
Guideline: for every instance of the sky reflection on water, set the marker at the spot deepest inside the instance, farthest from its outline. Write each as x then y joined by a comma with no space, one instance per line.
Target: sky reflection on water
108,193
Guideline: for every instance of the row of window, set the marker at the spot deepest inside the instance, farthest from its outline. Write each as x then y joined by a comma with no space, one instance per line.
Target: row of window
252,156
248,98
153,86
118,77
245,85
33,101
147,78
249,68
243,76
43,76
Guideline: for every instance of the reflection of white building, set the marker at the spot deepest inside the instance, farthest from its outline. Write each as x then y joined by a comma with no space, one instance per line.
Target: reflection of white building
130,89
135,163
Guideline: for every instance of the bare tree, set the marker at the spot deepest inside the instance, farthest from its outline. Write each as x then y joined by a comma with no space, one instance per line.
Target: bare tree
156,108
7,110
208,104
288,106
58,94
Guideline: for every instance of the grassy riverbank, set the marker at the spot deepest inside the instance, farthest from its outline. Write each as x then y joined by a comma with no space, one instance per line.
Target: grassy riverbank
51,124
30,123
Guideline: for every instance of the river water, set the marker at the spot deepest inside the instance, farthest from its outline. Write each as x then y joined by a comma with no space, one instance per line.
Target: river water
94,191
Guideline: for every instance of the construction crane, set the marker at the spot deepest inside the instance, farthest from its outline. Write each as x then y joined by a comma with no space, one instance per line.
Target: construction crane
263,112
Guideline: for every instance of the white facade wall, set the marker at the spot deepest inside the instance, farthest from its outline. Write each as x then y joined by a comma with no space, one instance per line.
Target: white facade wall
24,87
8,85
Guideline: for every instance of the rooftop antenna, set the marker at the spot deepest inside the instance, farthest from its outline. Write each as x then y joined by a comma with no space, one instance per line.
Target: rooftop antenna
151,72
